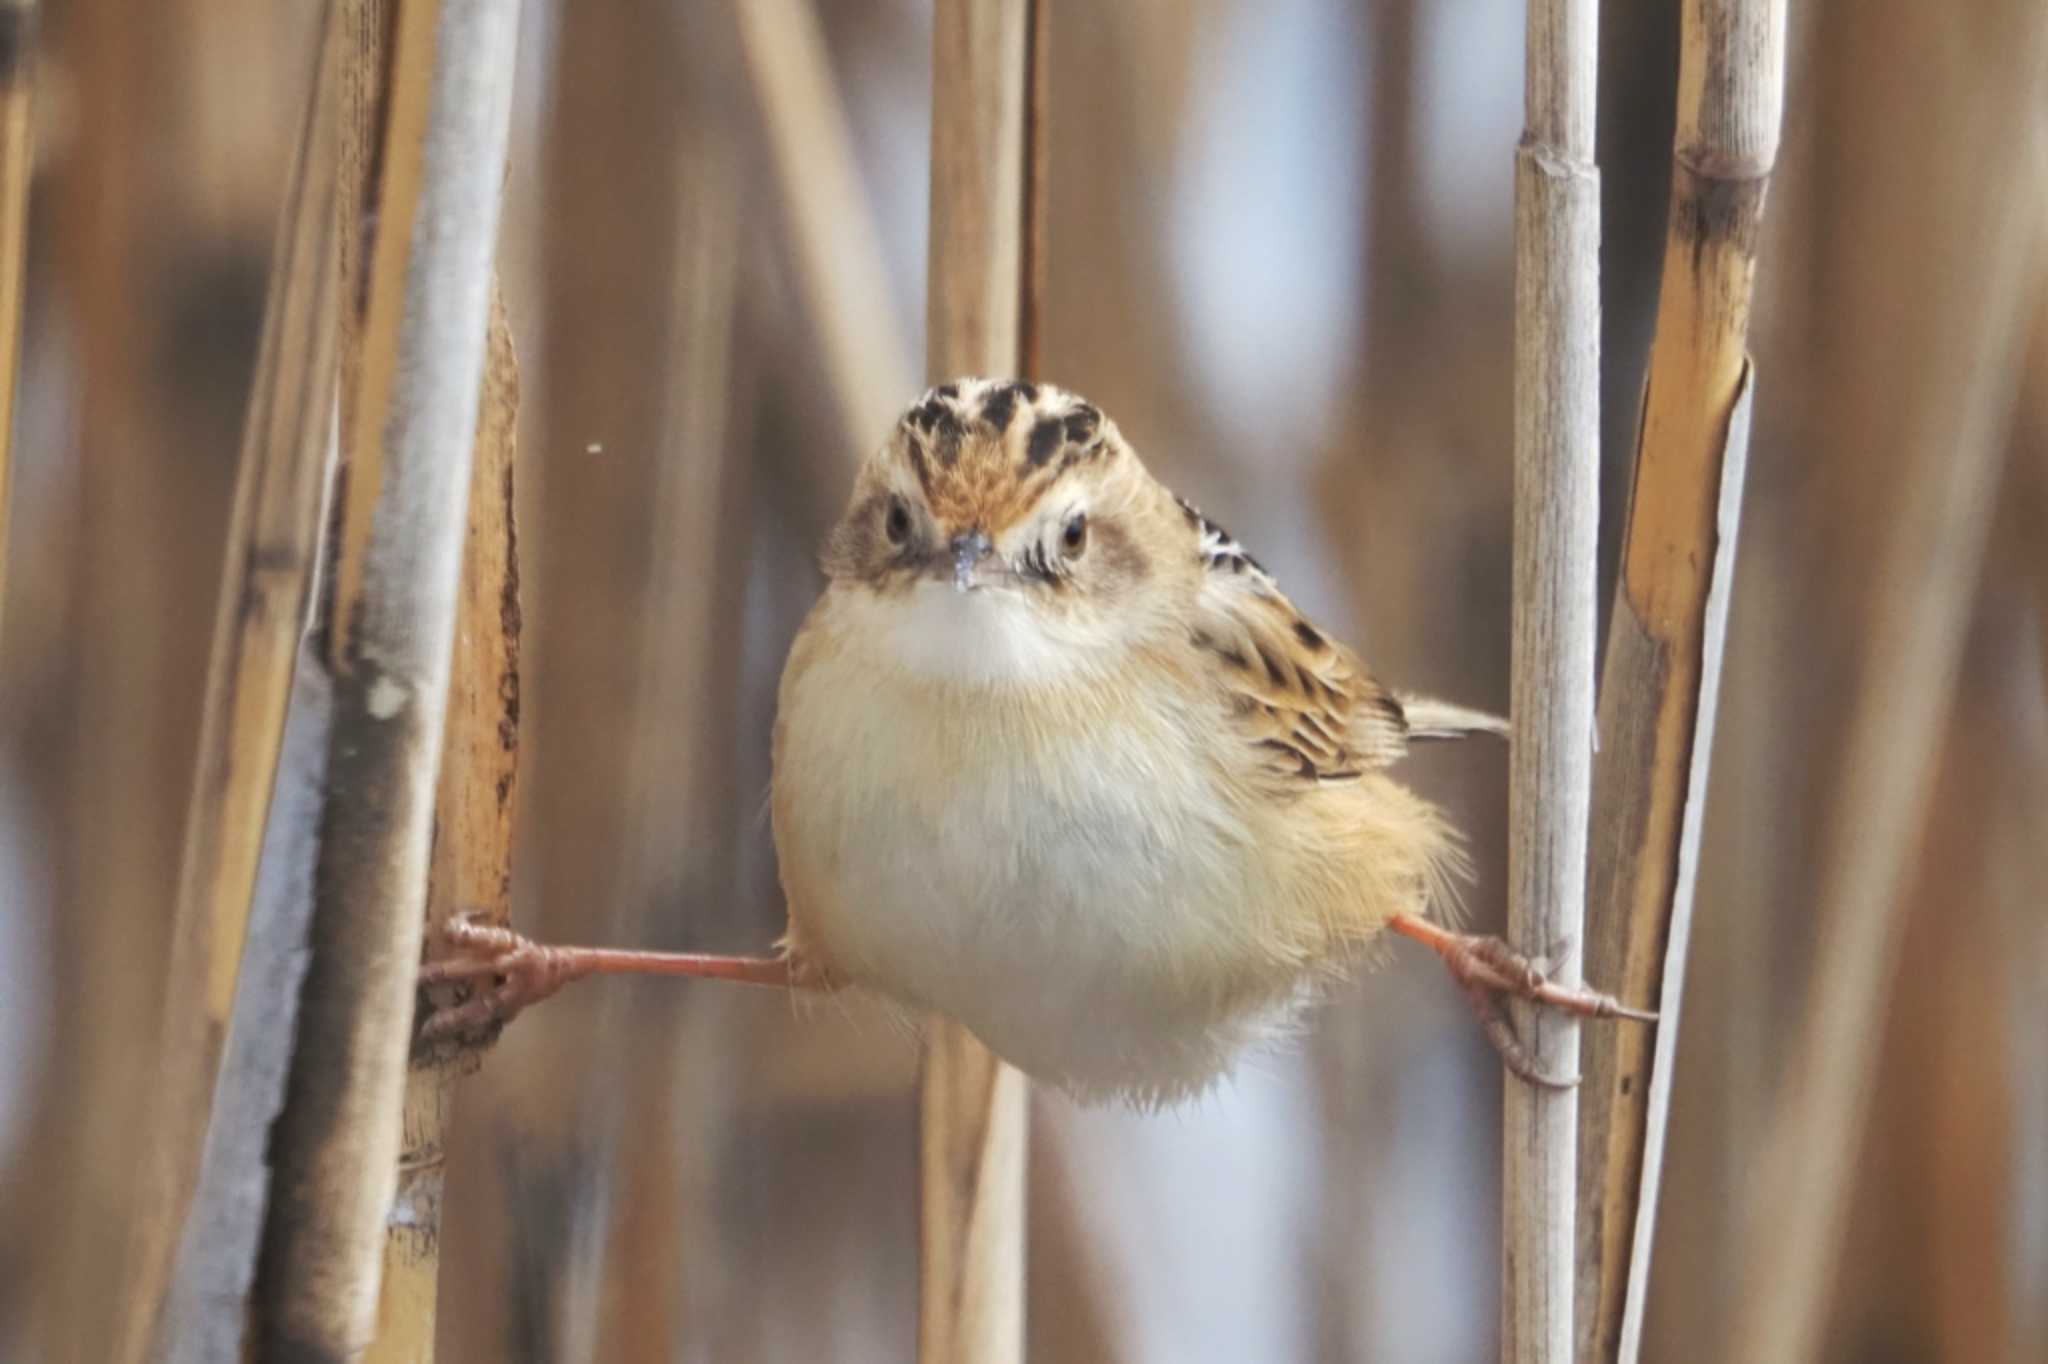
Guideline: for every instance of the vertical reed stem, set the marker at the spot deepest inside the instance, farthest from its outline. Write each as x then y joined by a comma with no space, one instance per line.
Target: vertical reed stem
17,151
472,863
983,231
259,617
1557,452
336,1145
1662,669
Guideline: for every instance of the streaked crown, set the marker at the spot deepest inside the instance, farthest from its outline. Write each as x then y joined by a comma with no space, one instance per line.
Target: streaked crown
985,450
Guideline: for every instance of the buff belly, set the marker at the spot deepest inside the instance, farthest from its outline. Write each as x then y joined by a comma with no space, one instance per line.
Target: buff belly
1053,868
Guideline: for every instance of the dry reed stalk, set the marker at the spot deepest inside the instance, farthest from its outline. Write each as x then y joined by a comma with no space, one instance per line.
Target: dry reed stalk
17,153
131,674
365,38
471,872
336,1145
985,230
206,1308
272,539
1662,671
1921,385
838,243
1557,457
383,132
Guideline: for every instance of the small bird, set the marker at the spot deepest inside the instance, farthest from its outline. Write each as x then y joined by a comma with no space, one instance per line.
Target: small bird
1056,758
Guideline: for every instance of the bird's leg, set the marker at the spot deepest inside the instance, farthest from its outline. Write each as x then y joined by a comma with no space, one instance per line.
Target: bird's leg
1486,968
510,971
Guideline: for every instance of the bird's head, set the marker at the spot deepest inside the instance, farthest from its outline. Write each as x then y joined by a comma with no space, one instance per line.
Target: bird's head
1002,526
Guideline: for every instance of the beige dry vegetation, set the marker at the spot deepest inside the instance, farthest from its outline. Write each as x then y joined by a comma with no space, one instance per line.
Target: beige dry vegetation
727,230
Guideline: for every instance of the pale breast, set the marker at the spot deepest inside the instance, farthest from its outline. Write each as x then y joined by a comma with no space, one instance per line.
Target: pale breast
1055,867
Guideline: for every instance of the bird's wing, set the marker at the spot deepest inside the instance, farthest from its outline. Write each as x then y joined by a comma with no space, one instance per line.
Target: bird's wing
1302,700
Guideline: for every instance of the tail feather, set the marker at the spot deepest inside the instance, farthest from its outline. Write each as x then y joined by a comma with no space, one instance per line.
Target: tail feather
1428,718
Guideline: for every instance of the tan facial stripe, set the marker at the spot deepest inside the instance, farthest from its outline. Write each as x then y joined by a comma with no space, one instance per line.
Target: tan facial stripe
919,464
1120,553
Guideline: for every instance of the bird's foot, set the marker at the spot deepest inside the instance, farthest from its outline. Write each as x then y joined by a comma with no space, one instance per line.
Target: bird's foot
1487,969
495,973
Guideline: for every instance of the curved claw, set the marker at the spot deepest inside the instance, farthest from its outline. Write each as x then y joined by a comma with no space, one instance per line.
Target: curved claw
1500,1030
1486,968
512,971
509,970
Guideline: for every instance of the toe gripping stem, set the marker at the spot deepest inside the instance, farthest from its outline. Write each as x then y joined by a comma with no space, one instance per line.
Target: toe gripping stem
1486,968
505,971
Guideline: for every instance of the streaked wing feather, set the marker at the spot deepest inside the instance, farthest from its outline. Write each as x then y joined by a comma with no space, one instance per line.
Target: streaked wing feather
1298,697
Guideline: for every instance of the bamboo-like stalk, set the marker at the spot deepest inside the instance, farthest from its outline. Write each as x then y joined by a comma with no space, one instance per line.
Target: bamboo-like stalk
17,152
272,539
364,91
1660,680
206,1307
337,1143
1557,456
386,92
972,1139
1926,379
471,871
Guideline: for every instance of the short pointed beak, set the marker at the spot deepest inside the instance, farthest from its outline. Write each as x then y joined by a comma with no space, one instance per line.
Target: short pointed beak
969,549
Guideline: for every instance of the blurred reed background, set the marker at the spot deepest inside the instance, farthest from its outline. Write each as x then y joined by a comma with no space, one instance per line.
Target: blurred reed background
1279,256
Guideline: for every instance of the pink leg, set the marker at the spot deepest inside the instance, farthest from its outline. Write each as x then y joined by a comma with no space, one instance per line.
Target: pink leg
1487,968
513,972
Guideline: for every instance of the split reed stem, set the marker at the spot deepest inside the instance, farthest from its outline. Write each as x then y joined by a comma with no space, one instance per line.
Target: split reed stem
337,1143
1661,676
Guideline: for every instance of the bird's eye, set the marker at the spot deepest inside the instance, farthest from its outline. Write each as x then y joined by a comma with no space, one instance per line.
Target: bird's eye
897,526
1074,538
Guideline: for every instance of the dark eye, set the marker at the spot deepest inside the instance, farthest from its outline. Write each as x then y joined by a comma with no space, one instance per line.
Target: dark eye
897,526
1074,538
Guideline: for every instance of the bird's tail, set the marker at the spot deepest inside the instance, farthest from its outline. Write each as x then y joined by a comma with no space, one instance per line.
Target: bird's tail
1429,718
